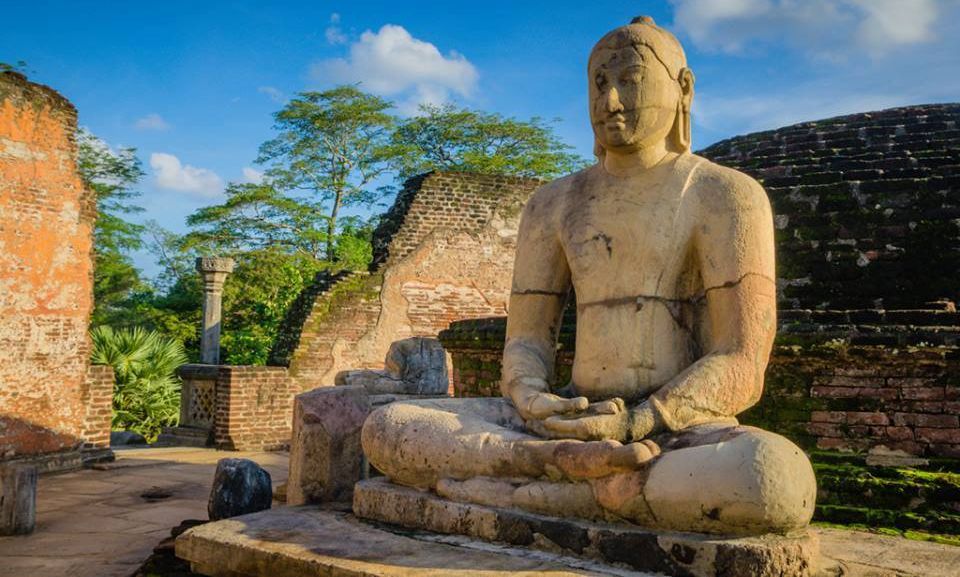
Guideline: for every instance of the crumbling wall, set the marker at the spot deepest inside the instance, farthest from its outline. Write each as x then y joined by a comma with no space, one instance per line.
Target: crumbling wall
867,206
443,252
47,400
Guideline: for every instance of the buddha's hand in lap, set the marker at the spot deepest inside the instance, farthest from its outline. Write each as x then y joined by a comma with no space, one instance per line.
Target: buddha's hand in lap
610,419
534,405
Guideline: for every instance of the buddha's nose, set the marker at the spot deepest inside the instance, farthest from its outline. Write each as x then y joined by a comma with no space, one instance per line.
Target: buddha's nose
612,101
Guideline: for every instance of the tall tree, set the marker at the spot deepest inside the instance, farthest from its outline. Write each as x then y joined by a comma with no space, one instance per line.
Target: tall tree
457,139
112,174
334,145
258,217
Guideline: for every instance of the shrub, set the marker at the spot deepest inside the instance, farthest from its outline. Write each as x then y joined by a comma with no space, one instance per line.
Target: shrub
146,394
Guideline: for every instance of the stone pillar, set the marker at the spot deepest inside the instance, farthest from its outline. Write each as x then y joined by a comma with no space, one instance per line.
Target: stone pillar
214,271
18,499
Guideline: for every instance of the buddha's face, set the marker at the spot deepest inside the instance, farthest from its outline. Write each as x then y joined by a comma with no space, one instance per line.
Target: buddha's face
633,99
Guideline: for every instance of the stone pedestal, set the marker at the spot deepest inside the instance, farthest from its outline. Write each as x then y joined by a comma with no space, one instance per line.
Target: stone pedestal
18,499
326,458
214,272
309,541
682,554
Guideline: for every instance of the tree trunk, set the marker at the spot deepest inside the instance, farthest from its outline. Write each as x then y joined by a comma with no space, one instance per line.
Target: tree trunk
332,227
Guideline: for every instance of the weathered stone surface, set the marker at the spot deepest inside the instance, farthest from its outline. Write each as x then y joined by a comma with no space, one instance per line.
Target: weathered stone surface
414,366
686,554
326,458
421,362
240,486
214,271
307,541
18,499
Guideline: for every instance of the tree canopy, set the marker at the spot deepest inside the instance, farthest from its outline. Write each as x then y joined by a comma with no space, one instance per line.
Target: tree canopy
333,145
457,139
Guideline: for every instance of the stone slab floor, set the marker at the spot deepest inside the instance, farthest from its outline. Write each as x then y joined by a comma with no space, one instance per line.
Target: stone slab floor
96,523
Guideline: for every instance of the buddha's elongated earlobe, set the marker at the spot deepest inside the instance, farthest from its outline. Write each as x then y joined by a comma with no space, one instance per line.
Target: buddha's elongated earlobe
681,127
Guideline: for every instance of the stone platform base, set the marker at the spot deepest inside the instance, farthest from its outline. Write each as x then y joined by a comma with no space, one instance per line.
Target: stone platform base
309,541
684,554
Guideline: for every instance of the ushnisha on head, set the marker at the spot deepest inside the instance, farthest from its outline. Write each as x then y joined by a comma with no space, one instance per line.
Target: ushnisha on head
640,90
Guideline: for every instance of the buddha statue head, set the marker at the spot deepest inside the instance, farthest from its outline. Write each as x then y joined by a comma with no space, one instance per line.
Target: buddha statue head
640,90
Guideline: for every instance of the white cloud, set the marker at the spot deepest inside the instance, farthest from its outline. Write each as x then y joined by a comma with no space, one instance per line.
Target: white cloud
832,29
333,32
391,62
252,175
152,121
274,93
171,174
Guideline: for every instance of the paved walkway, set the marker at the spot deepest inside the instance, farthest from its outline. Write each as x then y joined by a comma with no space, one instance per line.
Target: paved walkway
94,523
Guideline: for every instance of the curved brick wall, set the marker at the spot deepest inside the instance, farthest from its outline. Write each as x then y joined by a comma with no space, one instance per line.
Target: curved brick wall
443,252
867,206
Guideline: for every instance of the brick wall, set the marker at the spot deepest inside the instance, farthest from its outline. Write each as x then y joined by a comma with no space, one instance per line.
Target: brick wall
46,222
254,408
867,206
821,391
97,397
443,252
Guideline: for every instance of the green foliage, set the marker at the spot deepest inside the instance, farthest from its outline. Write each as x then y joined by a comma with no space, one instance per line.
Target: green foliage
20,66
454,139
333,145
259,217
111,175
256,298
147,391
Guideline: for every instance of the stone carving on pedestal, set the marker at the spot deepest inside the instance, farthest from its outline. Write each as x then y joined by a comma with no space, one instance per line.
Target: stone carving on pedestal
671,258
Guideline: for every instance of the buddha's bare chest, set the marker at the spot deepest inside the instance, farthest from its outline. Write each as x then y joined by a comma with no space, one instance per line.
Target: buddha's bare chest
618,241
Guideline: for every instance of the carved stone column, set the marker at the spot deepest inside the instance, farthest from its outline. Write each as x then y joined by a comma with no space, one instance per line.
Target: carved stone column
214,271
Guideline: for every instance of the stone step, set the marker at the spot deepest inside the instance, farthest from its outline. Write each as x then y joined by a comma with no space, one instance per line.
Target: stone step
309,541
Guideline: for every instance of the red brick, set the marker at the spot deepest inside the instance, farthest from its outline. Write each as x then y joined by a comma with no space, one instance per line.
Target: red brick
923,393
931,435
860,418
828,417
938,421
899,433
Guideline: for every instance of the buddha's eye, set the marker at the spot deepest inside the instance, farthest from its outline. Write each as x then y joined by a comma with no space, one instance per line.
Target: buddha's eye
632,75
600,81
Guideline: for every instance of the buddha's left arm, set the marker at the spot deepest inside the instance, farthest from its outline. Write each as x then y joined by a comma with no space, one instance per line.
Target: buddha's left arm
734,247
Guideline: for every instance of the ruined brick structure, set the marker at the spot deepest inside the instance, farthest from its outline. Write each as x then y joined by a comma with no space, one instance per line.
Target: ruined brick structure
867,215
443,252
52,402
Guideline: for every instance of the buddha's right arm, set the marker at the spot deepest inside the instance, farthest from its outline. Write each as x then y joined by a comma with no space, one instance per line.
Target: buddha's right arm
541,282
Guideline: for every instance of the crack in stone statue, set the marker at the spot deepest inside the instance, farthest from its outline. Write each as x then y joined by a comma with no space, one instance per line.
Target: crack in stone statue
646,431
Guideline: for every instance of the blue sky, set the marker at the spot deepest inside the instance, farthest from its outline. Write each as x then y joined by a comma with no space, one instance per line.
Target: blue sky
192,85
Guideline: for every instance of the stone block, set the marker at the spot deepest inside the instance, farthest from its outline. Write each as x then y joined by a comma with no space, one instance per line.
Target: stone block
240,486
421,362
414,366
326,458
308,541
686,554
18,499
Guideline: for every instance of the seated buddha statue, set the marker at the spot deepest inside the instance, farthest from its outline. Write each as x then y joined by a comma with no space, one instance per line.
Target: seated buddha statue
671,260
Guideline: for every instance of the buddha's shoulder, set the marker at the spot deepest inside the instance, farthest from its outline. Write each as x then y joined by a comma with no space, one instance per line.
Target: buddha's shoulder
554,195
719,186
